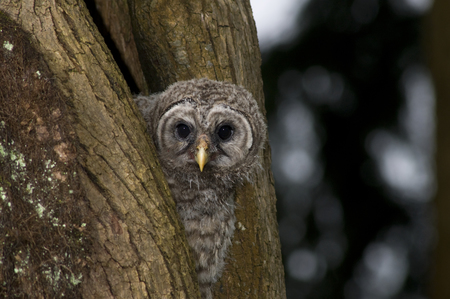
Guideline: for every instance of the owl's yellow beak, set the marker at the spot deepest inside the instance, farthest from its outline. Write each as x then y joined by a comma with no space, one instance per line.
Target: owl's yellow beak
201,155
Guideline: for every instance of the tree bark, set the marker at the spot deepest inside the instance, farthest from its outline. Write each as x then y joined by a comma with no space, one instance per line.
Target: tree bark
181,40
438,50
117,21
139,248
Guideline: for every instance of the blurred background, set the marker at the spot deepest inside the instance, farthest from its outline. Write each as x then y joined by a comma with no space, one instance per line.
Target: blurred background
351,110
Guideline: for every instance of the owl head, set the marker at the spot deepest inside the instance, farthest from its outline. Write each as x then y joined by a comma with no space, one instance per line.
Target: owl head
205,127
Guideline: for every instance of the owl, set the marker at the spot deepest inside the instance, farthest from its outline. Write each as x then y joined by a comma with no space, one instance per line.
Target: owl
208,135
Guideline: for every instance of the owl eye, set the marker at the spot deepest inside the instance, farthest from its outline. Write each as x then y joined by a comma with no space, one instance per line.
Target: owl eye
183,131
225,132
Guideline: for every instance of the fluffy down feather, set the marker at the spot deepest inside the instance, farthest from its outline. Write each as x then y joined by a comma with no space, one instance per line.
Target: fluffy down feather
223,122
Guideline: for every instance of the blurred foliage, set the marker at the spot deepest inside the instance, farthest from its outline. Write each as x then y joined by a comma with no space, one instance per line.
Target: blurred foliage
368,45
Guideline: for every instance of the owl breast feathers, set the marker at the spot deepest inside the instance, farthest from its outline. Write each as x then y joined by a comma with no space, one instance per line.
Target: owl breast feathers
208,135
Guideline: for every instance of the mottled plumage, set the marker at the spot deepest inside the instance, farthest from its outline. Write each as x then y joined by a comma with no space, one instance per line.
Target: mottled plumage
216,127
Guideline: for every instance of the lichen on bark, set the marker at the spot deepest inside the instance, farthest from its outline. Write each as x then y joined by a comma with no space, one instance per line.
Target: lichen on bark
136,246
43,215
138,249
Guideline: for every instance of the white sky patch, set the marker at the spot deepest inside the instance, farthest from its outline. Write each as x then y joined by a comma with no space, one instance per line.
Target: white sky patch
295,144
420,6
411,7
276,21
297,166
402,166
386,268
305,265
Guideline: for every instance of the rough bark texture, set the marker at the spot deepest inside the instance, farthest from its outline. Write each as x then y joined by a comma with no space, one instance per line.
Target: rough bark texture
438,46
139,250
117,21
43,215
180,40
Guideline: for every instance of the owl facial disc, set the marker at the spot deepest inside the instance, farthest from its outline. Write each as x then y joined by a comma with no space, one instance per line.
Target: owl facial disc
205,122
201,154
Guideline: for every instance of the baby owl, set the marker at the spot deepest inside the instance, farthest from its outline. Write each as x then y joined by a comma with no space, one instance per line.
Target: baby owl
208,135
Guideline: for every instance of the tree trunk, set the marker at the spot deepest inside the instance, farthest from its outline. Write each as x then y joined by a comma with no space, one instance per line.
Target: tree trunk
138,248
438,48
